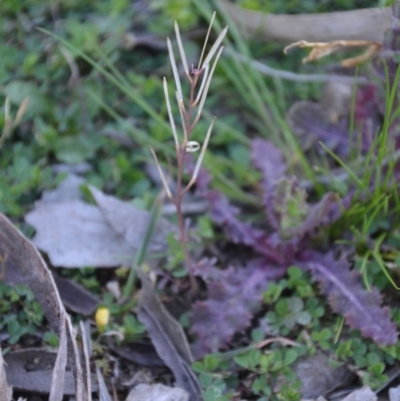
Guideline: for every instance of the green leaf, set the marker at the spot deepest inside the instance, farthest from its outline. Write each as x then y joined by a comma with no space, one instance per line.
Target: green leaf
260,384
377,368
75,149
295,304
18,90
51,338
290,357
303,318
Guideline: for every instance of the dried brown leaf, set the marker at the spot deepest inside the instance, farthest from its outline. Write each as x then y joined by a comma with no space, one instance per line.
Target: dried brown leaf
168,338
323,49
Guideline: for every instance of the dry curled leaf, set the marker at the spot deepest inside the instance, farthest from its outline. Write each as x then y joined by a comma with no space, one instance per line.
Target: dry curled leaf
323,49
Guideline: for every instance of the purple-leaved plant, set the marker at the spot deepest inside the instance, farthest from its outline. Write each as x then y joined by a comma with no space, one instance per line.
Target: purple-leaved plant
235,294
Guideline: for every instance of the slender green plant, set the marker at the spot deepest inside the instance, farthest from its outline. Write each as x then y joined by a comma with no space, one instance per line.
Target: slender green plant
190,113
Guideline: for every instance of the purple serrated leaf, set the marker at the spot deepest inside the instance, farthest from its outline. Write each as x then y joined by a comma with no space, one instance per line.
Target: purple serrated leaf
349,298
224,214
269,160
234,295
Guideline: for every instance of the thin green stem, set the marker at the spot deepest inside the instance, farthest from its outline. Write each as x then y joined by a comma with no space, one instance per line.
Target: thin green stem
139,257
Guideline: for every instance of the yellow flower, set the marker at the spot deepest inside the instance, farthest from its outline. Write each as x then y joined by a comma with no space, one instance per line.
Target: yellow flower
102,318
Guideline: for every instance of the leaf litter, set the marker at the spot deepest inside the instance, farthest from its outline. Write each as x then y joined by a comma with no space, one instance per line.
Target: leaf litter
48,373
22,264
76,234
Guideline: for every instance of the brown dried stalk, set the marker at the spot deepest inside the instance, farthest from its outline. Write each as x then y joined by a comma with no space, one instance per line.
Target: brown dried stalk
190,116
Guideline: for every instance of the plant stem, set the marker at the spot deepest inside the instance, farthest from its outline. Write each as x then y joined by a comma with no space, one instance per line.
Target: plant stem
181,155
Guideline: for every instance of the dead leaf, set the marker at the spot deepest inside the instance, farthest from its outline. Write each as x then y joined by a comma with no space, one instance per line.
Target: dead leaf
75,297
141,354
5,390
31,370
76,234
365,24
168,339
323,49
130,222
157,392
69,188
21,263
